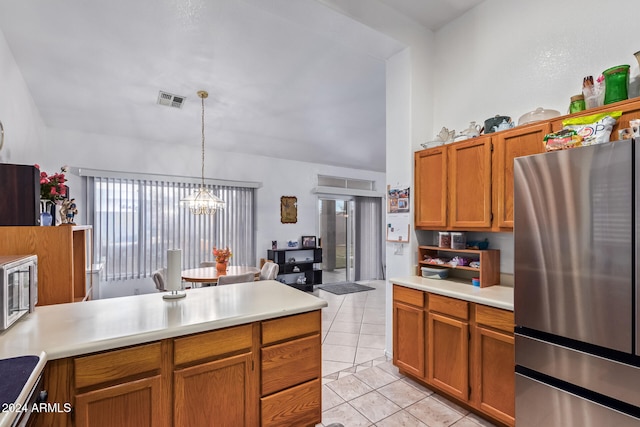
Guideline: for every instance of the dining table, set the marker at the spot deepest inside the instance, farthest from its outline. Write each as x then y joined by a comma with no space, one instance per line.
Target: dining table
211,274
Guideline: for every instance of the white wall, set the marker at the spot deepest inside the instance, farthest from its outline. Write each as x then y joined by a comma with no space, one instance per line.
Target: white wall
409,112
29,141
23,126
277,177
509,57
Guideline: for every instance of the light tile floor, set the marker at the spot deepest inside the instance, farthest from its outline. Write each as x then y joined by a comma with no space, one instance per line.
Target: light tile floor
361,387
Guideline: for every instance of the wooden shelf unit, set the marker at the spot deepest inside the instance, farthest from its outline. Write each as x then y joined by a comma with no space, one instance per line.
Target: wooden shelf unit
62,259
489,271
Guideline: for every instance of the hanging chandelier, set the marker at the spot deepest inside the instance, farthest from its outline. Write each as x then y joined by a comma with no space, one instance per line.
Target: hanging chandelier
202,201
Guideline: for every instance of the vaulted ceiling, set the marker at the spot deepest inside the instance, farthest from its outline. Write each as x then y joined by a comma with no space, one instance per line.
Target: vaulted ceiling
291,79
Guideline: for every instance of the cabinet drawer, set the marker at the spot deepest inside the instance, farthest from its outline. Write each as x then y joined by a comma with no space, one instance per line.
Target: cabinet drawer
451,306
290,363
297,406
116,365
408,296
495,317
212,344
290,327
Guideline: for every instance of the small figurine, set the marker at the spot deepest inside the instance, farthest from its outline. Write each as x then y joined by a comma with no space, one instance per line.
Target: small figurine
68,211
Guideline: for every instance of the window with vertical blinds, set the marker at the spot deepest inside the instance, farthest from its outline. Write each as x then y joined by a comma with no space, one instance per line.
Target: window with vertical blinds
135,221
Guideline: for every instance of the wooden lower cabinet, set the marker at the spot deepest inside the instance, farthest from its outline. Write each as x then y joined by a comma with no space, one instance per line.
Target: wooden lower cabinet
130,404
468,350
494,357
409,341
265,373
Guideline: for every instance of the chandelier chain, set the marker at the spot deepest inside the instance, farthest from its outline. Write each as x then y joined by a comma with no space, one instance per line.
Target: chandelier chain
202,99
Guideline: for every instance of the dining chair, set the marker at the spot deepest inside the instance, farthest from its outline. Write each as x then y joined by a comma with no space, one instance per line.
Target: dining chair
237,278
207,264
158,279
269,271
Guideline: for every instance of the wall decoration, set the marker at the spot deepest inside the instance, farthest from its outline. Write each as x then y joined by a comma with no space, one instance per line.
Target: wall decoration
398,230
288,209
398,199
309,242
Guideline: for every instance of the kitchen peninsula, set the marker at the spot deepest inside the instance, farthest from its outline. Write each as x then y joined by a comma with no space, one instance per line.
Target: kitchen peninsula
246,354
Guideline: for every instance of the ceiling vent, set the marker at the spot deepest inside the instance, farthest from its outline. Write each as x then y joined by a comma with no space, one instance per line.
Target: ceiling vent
170,100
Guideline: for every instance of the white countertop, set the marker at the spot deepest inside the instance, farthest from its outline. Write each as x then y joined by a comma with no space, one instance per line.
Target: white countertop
494,296
64,330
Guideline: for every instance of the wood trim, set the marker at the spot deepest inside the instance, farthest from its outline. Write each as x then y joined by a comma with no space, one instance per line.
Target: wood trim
79,263
58,381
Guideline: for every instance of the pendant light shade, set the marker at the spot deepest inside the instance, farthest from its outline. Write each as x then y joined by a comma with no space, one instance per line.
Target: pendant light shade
202,201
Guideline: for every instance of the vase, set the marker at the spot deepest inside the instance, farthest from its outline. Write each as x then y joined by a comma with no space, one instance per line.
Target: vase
221,267
46,217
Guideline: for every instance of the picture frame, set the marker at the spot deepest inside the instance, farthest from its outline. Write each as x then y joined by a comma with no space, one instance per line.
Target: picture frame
288,209
309,242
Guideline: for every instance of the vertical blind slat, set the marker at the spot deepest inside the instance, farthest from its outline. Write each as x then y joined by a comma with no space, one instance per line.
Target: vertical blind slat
136,221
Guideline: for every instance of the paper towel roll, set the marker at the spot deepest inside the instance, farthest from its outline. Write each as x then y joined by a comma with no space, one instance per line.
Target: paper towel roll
174,270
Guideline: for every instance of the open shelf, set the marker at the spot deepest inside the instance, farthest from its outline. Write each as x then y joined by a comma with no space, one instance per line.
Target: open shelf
489,271
304,260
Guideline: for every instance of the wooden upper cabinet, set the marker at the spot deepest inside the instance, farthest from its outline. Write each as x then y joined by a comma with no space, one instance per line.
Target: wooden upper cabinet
517,142
431,188
470,184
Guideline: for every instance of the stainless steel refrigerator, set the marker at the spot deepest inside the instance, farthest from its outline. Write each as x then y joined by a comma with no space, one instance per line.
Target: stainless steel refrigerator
576,296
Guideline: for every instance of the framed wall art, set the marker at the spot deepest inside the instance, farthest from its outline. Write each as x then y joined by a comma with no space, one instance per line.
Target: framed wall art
288,209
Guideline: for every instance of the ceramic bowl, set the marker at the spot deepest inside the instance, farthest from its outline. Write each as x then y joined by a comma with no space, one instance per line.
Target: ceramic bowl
537,115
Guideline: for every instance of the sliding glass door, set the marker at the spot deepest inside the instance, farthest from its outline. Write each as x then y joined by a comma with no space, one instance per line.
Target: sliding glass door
337,238
351,237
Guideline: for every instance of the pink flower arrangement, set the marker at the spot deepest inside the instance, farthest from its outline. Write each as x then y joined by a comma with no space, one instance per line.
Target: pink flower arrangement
222,255
52,186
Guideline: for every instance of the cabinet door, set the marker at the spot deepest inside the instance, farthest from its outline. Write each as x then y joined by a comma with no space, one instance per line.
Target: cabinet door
449,355
470,184
131,404
494,388
218,393
431,187
409,339
508,146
